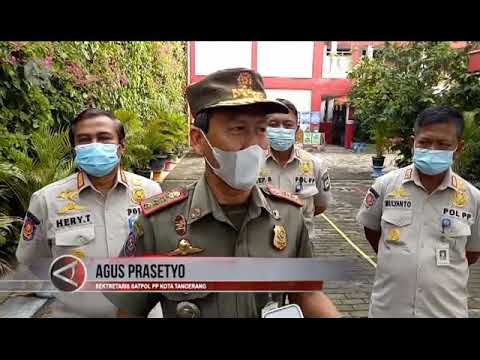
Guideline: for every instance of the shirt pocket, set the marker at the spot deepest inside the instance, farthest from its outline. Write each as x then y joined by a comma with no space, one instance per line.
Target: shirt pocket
457,237
396,228
67,241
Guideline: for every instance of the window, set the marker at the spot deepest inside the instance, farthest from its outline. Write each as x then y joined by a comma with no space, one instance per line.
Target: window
337,62
292,59
302,99
375,52
211,56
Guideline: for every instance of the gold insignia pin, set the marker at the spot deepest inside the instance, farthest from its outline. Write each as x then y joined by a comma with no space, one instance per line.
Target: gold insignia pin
70,207
460,199
280,241
174,194
264,172
245,80
394,235
185,248
276,214
138,195
68,195
195,213
306,168
79,254
400,192
180,225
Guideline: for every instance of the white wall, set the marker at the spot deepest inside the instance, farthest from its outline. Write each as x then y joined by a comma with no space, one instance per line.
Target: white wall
302,99
211,56
285,58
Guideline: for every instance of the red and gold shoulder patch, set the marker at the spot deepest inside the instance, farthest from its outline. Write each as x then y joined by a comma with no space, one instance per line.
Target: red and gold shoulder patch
163,201
284,195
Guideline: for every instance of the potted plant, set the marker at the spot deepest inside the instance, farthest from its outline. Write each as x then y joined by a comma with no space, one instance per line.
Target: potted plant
380,134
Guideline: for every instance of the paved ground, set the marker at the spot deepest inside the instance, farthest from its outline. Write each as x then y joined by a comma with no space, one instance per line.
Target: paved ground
351,177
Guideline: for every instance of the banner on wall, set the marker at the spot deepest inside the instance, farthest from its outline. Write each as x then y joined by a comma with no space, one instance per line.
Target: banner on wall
315,121
304,117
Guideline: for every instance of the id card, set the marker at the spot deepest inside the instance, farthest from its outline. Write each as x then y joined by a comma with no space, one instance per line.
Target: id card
284,312
443,255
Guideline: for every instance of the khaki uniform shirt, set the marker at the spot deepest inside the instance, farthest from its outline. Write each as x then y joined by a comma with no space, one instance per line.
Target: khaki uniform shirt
303,175
202,221
416,230
71,217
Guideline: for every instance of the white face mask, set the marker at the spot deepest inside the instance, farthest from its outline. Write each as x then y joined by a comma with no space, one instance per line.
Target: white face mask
239,169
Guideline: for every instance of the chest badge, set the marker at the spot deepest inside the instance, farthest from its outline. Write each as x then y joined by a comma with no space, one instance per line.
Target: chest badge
394,235
460,199
306,168
184,248
138,195
280,240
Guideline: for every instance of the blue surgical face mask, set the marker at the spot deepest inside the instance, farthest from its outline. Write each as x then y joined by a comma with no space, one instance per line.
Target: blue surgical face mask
281,139
97,159
433,162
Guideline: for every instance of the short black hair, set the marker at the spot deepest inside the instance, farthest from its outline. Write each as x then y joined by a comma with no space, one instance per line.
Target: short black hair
202,120
440,115
290,106
91,113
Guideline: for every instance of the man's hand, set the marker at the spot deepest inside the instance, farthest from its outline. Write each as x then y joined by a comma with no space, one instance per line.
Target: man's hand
373,237
318,210
315,304
472,257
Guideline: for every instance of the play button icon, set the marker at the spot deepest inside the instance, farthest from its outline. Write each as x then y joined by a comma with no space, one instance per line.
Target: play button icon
68,273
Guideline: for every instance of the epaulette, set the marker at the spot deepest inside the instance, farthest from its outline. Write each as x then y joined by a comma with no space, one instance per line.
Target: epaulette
163,200
283,195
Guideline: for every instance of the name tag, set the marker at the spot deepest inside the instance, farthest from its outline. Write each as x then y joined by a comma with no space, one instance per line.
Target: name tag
305,180
73,221
403,204
134,211
456,213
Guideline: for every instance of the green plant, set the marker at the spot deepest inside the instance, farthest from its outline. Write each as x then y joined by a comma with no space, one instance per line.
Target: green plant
161,134
49,160
168,131
468,163
45,84
137,154
405,79
380,133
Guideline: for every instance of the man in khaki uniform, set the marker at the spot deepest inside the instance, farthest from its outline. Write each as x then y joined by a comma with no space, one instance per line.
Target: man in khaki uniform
224,213
86,215
292,169
424,222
